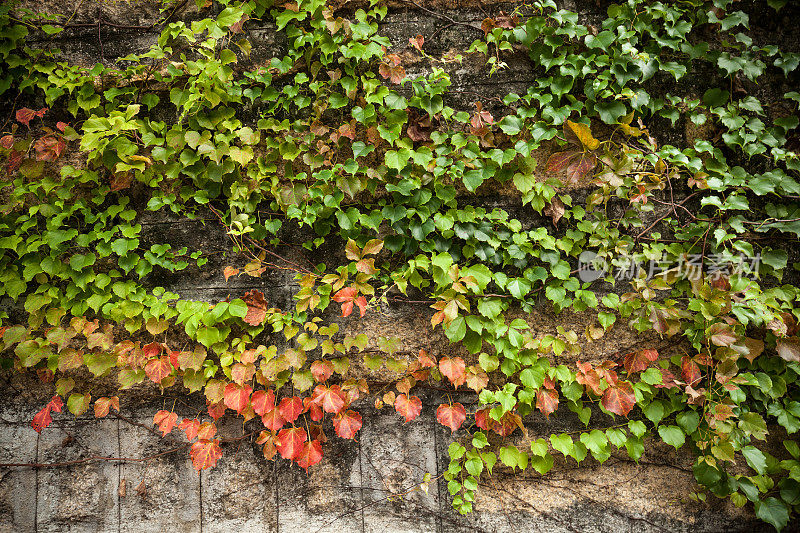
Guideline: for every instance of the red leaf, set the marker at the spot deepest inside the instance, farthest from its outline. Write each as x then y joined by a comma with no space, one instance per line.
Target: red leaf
690,371
451,416
205,453
667,380
165,421
314,410
348,297
310,455
639,361
619,399
216,410
454,369
332,399
347,424
547,401
262,401
321,370
7,141
256,307
149,351
290,442
273,420
42,419
291,408
191,427
409,407
158,369
237,397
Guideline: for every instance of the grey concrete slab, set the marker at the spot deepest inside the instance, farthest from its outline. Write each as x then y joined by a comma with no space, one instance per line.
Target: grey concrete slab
395,458
326,499
84,496
170,501
17,484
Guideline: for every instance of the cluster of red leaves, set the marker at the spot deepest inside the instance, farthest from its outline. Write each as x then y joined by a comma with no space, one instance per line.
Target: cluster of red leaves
206,451
503,427
480,121
49,147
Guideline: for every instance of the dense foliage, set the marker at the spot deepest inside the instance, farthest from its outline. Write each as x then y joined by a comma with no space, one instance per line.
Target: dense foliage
333,137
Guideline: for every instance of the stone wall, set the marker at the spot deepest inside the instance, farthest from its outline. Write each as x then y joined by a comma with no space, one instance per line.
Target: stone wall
362,485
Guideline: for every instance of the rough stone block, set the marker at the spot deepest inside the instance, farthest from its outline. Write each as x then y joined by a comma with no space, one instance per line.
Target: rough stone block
17,484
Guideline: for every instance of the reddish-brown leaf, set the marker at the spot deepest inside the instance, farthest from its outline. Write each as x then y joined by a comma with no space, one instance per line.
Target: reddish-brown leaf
667,380
205,453
310,455
547,401
409,407
560,160
262,401
273,420
165,420
580,168
290,442
237,397
788,349
454,369
347,424
158,369
229,271
7,141
256,307
451,416
321,370
417,41
191,427
690,371
639,361
619,399
291,408
332,399
25,115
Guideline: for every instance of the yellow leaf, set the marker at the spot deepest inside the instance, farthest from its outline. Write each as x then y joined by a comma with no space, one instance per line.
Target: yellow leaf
584,135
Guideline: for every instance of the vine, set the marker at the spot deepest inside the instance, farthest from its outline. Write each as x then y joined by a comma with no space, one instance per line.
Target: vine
333,139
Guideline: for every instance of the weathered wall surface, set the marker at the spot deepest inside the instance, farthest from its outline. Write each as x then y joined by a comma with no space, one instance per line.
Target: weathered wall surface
359,486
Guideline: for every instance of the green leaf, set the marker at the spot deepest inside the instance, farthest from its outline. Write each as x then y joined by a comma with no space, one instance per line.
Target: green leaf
774,512
755,459
672,435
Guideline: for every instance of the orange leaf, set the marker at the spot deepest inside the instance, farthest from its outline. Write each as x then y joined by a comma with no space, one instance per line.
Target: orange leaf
102,406
165,420
256,307
310,455
158,369
229,271
409,407
451,416
290,442
262,401
321,370
237,397
454,369
291,408
347,424
206,431
205,453
332,399
425,360
191,427
273,420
